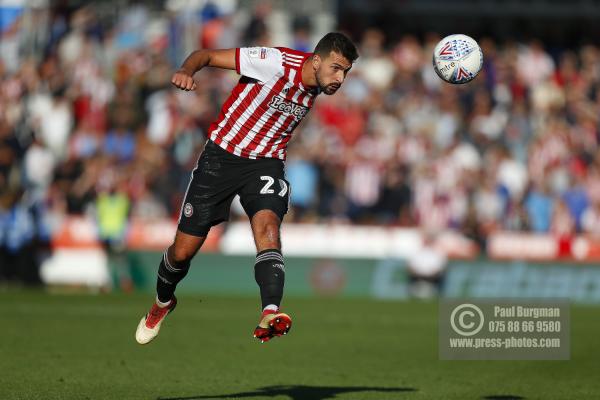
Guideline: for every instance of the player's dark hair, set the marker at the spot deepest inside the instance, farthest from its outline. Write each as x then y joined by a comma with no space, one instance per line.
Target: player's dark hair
339,43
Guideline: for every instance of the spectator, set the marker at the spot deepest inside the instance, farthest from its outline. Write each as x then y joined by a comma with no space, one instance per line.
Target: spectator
302,175
539,205
590,220
113,209
22,232
426,268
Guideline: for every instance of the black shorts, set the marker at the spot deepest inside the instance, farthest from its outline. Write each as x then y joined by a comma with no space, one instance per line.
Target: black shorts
219,176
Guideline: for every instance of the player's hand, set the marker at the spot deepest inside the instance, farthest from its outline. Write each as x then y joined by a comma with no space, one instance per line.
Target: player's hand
183,80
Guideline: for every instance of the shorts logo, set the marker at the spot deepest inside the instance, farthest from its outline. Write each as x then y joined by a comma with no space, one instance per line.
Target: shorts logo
188,210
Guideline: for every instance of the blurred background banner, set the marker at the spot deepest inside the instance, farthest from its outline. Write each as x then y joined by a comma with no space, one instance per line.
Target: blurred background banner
403,185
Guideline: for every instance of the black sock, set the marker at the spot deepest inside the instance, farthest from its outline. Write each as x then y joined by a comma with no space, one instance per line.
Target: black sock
269,273
168,278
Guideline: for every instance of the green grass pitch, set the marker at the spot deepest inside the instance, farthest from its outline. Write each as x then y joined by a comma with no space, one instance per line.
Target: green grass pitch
83,347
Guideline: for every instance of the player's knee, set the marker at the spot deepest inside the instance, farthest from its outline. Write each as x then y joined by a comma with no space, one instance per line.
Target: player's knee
181,255
268,234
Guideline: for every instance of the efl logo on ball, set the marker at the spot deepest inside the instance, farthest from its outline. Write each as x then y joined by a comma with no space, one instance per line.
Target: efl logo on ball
457,59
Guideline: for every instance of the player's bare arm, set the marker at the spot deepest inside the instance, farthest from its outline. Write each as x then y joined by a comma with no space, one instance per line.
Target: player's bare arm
183,78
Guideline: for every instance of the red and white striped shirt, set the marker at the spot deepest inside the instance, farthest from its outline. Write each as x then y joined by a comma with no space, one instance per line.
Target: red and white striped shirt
264,108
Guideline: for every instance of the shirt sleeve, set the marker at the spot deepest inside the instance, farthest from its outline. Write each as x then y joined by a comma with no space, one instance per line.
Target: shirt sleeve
261,63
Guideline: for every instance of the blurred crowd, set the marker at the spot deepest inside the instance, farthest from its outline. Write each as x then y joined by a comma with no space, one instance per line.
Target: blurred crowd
89,124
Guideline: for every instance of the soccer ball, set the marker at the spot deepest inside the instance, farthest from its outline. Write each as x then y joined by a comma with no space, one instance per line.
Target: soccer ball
457,59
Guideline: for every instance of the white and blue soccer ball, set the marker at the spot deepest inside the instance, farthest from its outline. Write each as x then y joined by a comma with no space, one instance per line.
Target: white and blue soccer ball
457,59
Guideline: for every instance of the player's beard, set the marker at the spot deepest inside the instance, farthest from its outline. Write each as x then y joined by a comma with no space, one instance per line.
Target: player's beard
327,89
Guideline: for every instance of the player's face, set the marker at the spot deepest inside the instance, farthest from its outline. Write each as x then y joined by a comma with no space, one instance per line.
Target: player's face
331,72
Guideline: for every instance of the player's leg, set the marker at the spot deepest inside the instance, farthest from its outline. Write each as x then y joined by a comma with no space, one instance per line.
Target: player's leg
174,266
207,202
265,199
269,272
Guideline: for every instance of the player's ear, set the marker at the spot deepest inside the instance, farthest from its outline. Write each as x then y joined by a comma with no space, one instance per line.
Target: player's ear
316,61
